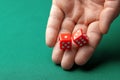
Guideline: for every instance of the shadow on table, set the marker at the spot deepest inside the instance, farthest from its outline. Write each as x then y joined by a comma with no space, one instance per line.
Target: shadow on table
100,58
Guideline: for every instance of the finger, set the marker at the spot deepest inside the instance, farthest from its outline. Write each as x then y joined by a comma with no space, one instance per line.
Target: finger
68,58
67,27
86,52
109,13
53,26
83,54
57,54
78,27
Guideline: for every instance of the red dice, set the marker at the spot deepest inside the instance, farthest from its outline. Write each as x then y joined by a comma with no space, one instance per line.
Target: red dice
65,41
79,38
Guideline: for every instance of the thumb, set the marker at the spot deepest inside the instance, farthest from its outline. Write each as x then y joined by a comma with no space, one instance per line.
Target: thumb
107,16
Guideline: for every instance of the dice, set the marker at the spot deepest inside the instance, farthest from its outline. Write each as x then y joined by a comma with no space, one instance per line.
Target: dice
65,41
79,38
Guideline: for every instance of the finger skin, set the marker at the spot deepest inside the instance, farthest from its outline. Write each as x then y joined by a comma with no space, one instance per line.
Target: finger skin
68,59
83,55
53,26
57,54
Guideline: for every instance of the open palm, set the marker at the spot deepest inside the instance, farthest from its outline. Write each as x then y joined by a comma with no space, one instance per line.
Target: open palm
67,16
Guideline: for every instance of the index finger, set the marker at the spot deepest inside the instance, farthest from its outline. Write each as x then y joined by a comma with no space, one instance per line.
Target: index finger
54,24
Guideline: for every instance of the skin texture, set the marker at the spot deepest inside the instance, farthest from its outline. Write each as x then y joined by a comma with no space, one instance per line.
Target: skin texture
66,16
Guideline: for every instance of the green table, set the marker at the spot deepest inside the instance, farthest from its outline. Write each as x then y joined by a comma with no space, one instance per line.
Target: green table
24,55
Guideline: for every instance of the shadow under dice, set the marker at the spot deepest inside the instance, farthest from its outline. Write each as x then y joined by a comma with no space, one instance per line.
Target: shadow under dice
65,41
79,38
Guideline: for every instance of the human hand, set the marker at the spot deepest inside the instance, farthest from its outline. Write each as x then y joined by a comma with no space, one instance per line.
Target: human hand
92,16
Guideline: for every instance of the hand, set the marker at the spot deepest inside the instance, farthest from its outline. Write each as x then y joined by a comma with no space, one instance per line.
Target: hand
93,16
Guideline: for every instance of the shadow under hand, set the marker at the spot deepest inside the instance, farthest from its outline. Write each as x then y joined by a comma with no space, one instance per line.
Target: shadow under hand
102,57
97,61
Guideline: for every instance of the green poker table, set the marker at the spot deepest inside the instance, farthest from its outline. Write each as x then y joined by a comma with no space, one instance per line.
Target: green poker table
25,56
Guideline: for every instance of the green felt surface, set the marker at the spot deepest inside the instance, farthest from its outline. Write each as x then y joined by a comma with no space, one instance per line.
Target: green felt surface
24,55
